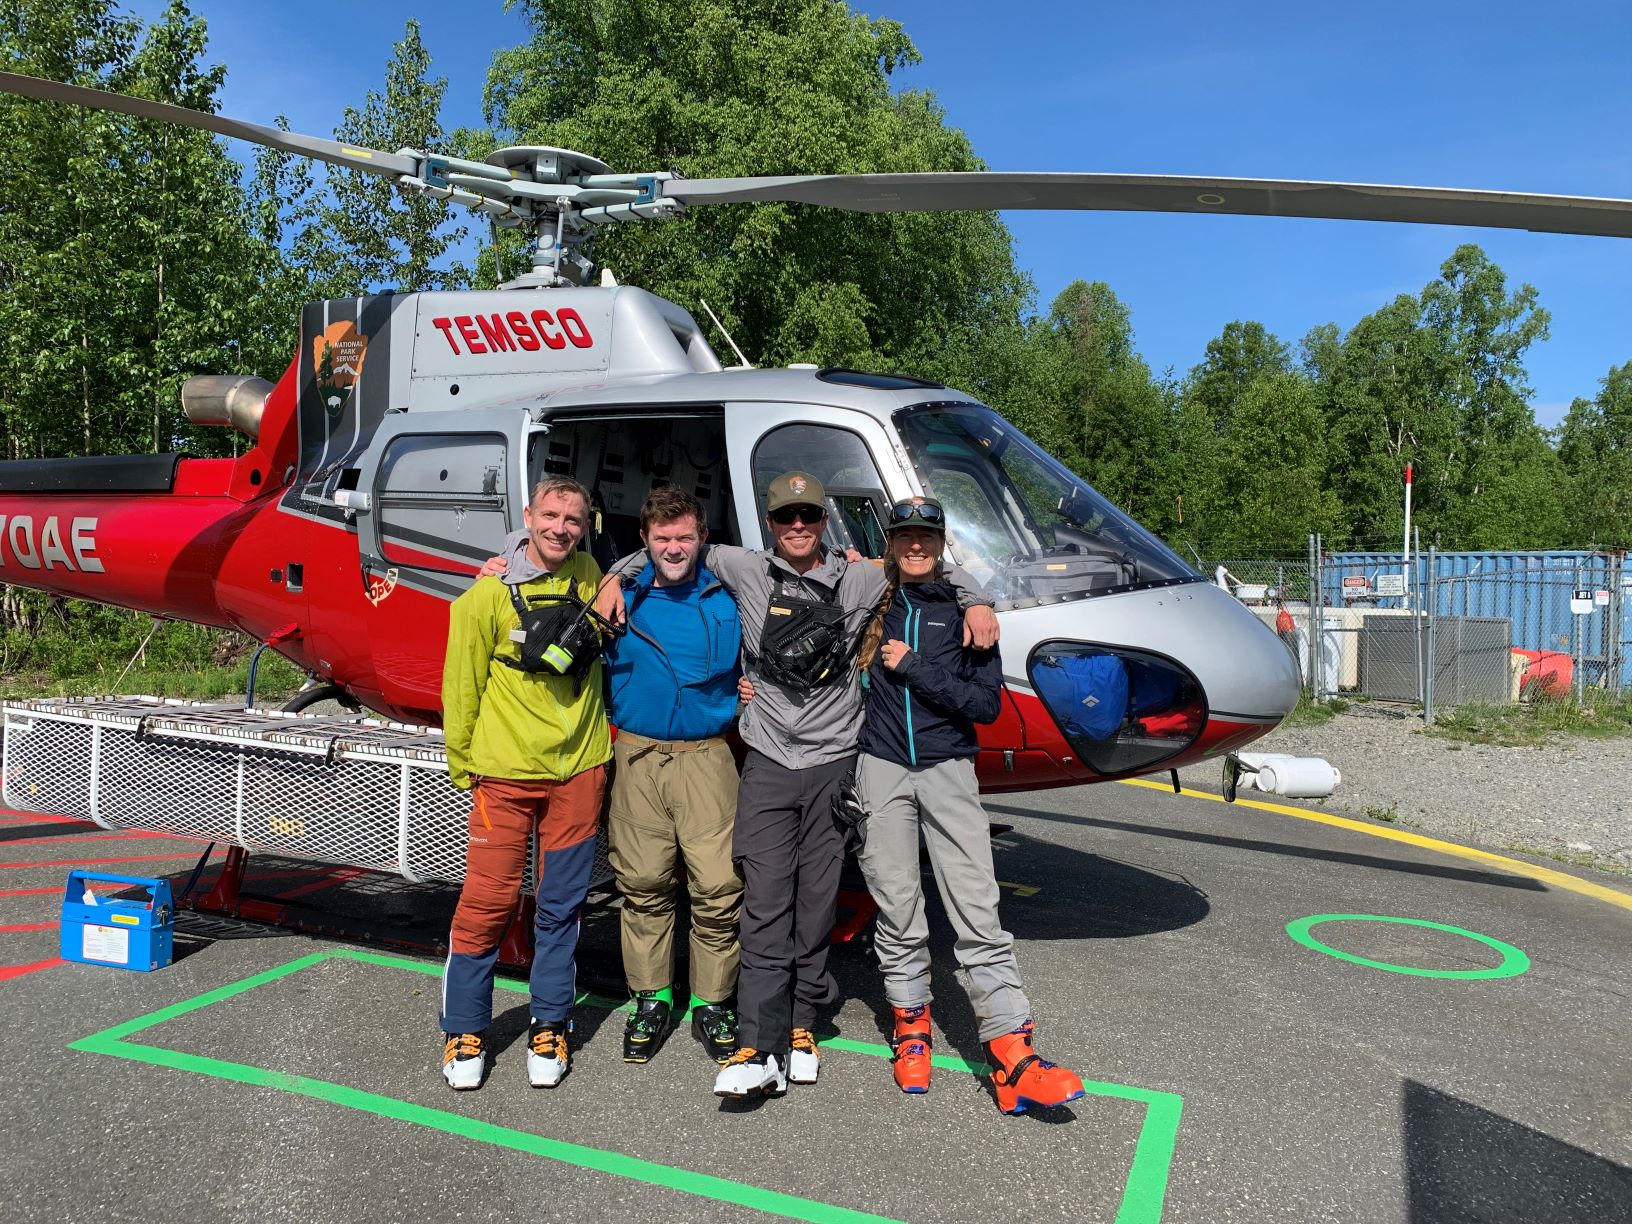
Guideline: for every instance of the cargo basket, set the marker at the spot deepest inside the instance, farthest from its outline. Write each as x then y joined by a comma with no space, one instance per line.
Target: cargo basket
350,790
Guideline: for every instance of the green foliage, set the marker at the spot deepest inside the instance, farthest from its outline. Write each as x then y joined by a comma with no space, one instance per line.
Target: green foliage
375,236
125,248
790,86
1595,449
1250,457
1438,381
73,648
1315,713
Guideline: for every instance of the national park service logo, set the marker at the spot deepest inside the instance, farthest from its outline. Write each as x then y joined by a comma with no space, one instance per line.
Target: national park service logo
337,356
798,484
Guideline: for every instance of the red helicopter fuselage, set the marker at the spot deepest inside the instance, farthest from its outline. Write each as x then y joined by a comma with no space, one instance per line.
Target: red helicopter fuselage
343,534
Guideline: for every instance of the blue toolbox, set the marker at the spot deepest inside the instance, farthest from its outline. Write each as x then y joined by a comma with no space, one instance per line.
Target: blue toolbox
127,933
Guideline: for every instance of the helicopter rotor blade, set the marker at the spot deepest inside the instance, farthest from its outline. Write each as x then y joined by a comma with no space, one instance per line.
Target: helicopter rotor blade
354,157
980,191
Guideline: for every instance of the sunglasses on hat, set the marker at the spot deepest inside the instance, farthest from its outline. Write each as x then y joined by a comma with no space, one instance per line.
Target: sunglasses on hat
904,513
786,516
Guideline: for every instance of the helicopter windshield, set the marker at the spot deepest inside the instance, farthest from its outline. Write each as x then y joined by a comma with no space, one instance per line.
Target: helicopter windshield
1020,522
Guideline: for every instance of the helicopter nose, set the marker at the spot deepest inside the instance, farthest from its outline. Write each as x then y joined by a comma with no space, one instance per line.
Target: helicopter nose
1146,678
1245,669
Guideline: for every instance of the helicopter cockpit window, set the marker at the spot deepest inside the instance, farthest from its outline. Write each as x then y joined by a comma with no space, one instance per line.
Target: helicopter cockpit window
621,457
841,461
1020,522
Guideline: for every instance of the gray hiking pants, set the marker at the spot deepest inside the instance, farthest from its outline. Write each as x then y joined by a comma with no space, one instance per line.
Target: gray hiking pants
944,799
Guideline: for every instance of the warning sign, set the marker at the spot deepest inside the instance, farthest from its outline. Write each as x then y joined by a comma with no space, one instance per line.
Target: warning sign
1356,586
1391,584
1581,602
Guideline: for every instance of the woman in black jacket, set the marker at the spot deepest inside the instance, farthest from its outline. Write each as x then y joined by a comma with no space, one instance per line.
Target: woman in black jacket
926,692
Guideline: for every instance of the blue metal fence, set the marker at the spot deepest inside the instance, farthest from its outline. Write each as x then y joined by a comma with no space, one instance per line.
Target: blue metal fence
1530,590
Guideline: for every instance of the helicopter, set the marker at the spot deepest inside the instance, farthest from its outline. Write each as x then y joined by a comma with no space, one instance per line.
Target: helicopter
397,450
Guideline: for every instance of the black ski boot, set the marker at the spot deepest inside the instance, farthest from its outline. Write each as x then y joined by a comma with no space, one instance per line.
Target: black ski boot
648,1025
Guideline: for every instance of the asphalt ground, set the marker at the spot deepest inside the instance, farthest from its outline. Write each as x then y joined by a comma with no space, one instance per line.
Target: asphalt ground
1235,1074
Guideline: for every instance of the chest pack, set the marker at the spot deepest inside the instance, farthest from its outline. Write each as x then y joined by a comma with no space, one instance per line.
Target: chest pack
558,635
804,644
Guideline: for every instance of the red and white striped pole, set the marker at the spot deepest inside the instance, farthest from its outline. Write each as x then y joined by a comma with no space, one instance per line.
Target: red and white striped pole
1406,602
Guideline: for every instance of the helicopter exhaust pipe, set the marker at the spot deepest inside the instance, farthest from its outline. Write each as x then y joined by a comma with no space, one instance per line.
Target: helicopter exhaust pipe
226,399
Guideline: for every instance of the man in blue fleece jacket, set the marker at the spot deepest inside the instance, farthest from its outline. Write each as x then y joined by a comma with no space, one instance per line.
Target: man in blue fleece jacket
673,694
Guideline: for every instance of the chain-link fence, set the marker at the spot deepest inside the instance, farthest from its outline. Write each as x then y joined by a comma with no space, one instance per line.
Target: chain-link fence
1282,592
1444,629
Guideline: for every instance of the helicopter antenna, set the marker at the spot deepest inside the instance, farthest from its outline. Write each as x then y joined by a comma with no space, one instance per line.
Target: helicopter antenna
742,362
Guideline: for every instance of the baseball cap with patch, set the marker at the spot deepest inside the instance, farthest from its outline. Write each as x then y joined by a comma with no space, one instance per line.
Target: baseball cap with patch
795,489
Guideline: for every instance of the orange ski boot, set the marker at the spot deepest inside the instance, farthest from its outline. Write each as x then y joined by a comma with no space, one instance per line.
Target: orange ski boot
911,1042
1022,1078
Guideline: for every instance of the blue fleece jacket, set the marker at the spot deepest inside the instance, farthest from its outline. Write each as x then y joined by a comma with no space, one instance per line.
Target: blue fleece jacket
674,674
925,710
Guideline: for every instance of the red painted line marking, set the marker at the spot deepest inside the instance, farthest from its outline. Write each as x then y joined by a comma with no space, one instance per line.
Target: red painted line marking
334,877
18,927
15,817
16,971
95,862
122,835
30,892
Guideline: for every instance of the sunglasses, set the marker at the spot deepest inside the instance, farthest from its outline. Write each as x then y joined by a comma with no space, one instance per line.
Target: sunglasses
910,512
787,516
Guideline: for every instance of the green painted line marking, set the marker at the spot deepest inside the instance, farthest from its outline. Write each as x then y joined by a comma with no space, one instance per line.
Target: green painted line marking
879,1050
1146,1190
686,1181
1514,960
512,985
1143,1195
204,1000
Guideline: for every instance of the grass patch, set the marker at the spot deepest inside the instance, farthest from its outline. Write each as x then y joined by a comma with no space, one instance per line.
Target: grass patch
65,648
1315,713
276,680
1599,716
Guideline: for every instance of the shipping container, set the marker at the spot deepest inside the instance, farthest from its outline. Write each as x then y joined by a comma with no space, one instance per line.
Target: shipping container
1532,591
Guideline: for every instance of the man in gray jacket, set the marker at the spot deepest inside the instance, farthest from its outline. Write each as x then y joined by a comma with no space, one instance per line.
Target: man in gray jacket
803,608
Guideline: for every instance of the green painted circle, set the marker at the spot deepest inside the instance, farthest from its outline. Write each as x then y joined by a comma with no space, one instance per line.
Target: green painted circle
1514,960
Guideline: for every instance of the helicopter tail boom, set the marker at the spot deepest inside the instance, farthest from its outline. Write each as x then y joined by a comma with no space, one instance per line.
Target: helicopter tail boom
147,532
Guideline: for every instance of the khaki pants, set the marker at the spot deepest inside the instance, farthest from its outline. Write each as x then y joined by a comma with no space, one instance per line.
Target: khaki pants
668,797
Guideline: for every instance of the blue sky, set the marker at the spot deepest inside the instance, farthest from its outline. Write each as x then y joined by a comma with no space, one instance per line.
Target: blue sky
1495,95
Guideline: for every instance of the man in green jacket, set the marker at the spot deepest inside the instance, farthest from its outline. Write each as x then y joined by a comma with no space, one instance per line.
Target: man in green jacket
532,747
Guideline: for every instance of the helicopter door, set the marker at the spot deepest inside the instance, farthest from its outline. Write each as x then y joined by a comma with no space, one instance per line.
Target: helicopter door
848,452
439,491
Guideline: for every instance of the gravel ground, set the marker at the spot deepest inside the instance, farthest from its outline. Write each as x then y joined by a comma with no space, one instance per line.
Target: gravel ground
1567,799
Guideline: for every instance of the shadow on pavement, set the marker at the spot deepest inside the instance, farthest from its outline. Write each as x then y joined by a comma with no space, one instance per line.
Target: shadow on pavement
1348,858
1466,1165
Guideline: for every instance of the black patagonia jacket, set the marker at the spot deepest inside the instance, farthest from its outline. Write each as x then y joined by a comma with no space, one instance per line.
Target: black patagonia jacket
925,711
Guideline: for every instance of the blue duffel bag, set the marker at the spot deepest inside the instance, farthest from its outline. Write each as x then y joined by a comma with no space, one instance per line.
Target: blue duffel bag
1087,693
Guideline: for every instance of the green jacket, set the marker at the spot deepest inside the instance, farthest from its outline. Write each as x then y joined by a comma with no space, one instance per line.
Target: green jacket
504,723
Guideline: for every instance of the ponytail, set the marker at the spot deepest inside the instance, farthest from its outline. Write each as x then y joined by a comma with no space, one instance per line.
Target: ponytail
873,637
